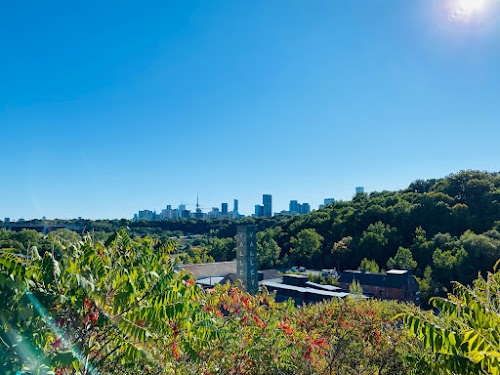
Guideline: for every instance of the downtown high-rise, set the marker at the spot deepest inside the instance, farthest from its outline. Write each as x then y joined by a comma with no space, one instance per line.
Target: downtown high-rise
267,202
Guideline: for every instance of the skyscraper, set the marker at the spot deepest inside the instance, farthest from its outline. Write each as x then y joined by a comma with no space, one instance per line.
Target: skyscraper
305,208
259,210
235,207
267,201
360,189
224,208
181,212
294,207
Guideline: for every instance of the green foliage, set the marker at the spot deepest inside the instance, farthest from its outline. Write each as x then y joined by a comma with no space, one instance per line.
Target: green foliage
428,287
355,288
369,266
465,337
259,336
325,280
305,246
450,224
268,251
375,239
119,308
99,307
402,260
65,236
221,249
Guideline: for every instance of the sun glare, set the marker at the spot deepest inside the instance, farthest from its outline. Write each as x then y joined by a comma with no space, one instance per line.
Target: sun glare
465,10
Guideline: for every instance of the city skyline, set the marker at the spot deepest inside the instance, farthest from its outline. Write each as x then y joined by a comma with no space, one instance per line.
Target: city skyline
222,211
108,108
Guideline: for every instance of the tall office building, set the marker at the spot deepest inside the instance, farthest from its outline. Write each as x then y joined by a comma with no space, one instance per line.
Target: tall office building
224,208
305,208
169,212
235,206
181,211
294,207
360,189
215,213
328,201
259,210
267,201
147,215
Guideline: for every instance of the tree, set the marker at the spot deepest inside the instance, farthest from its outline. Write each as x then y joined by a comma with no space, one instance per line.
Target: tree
65,236
305,245
428,286
268,251
341,250
402,260
221,249
375,240
369,266
355,287
449,263
422,249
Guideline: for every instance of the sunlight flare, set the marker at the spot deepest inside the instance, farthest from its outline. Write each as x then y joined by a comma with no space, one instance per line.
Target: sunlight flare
465,10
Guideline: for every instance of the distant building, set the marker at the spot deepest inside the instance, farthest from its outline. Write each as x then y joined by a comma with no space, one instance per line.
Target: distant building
360,189
166,214
305,208
214,214
301,290
235,207
267,201
399,285
294,207
181,213
6,220
146,215
259,210
326,202
297,287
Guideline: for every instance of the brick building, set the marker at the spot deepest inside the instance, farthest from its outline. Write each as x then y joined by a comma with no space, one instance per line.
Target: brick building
399,285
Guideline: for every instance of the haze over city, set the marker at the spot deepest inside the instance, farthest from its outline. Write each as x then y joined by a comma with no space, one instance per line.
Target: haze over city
108,108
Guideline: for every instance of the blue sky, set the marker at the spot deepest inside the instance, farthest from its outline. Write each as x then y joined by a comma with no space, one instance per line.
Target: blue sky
110,107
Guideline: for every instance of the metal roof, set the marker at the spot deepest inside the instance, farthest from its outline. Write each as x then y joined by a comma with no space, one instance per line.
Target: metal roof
210,281
299,289
210,269
397,272
331,288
